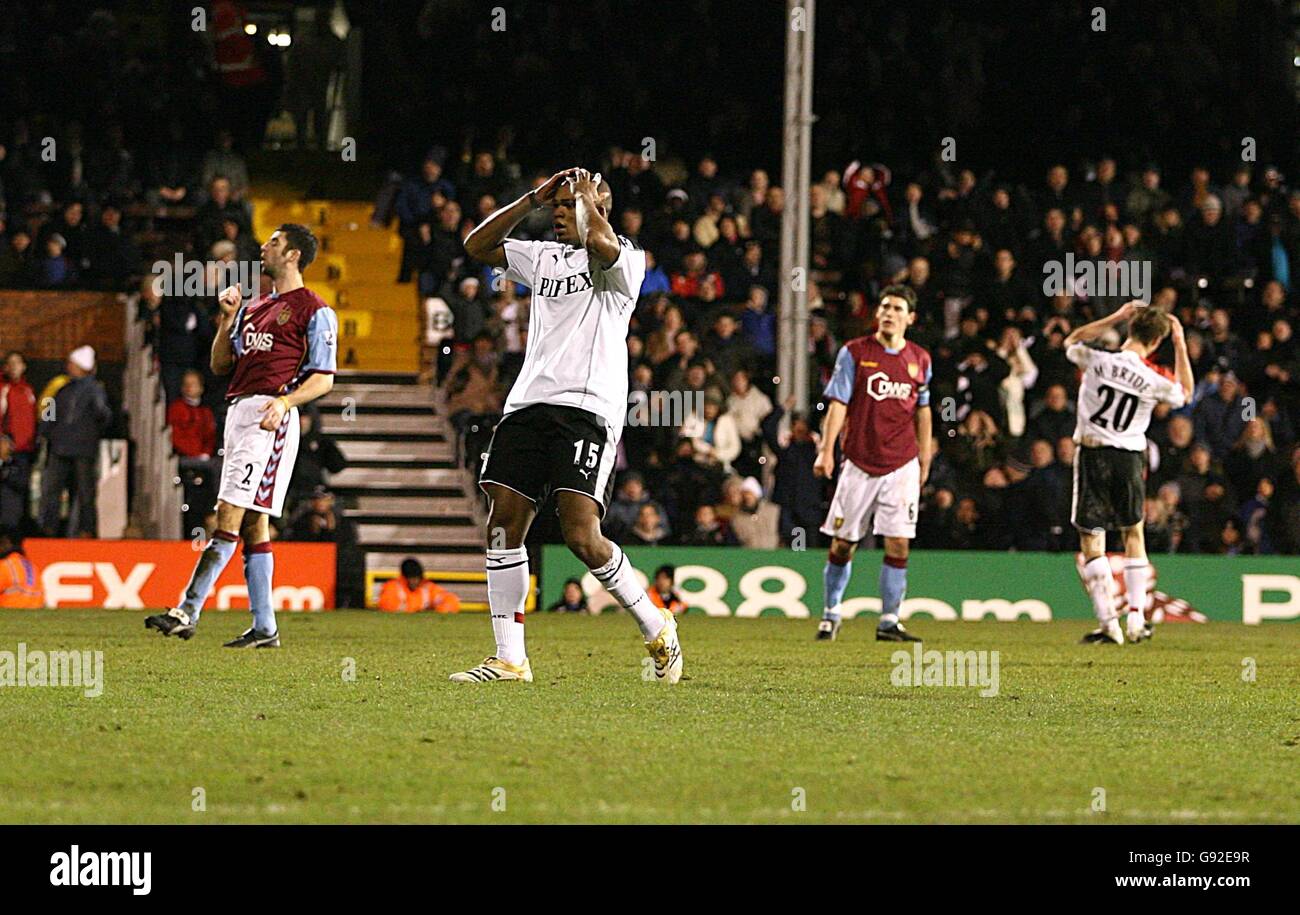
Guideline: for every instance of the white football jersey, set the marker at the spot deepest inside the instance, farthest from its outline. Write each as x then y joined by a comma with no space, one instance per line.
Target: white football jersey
577,327
1117,395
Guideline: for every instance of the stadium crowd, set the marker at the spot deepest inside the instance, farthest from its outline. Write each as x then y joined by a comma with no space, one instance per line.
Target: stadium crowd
93,194
1220,249
1222,243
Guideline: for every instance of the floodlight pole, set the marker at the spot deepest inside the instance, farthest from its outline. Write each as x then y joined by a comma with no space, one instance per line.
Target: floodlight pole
796,149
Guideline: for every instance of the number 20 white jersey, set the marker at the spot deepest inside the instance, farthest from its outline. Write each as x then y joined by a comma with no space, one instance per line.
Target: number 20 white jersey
1117,394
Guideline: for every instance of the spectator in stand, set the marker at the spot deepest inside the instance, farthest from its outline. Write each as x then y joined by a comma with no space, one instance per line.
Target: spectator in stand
765,222
1252,458
572,599
656,280
410,592
415,204
708,530
183,327
475,394
220,206
726,347
17,265
626,508
18,439
72,429
748,407
225,162
756,522
1254,518
55,269
650,528
1147,199
713,435
662,592
112,259
194,439
797,491
319,520
1180,435
1220,417
1055,417
695,281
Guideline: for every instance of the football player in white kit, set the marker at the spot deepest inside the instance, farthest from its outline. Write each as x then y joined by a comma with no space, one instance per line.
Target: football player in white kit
564,415
1116,396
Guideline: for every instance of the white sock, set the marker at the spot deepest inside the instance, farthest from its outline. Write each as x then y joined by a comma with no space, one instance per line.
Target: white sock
507,579
1135,584
619,580
1101,588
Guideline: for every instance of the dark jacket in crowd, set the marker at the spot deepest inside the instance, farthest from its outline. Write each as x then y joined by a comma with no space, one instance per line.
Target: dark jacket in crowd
81,414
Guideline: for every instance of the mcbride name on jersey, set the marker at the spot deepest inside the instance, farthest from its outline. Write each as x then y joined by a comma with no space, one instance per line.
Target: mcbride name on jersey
577,327
1117,395
278,340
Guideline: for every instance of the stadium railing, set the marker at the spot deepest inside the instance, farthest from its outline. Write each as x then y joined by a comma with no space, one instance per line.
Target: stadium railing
158,494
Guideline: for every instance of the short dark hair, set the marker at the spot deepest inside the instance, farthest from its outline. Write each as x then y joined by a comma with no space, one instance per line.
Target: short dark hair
670,571
411,568
905,293
1149,326
298,237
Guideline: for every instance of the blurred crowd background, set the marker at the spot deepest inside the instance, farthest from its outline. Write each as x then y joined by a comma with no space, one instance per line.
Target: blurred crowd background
1127,145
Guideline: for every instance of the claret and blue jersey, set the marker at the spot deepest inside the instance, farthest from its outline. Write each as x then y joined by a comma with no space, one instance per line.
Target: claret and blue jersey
882,389
278,340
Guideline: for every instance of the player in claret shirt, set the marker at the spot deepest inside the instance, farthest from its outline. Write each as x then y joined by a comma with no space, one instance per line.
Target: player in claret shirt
283,349
879,398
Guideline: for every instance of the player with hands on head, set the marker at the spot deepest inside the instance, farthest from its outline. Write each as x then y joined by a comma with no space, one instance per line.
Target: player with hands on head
564,415
1117,394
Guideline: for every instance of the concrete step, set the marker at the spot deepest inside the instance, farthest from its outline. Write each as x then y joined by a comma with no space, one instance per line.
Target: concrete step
377,378
421,536
362,240
365,421
399,507
388,480
387,532
364,396
362,450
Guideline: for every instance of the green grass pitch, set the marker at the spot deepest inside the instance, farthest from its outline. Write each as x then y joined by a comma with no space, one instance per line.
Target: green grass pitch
768,722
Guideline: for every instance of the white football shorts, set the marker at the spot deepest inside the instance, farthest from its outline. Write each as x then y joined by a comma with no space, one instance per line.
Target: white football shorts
893,500
258,462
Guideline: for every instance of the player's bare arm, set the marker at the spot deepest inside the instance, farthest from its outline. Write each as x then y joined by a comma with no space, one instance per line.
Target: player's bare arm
924,429
594,230
1182,361
484,244
1096,328
222,358
824,466
318,384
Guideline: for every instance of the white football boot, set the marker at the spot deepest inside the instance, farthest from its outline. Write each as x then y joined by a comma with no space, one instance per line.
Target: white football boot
666,650
493,669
